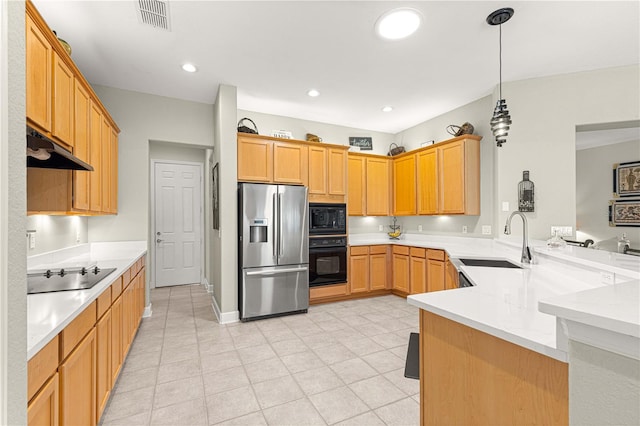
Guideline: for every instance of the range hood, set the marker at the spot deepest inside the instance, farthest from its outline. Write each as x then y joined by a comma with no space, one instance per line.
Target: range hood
44,153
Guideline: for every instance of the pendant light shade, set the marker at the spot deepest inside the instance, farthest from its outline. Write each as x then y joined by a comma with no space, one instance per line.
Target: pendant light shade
501,120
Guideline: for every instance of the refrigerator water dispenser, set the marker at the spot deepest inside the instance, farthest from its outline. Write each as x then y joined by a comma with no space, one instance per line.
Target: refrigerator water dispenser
258,231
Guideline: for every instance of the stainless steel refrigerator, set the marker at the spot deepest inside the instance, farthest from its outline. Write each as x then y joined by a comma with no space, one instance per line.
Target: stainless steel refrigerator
273,258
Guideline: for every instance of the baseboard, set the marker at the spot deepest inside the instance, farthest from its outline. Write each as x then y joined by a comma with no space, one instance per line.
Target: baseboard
147,311
207,286
224,317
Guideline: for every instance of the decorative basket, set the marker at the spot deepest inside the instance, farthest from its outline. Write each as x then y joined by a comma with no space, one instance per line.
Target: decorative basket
244,129
394,149
465,129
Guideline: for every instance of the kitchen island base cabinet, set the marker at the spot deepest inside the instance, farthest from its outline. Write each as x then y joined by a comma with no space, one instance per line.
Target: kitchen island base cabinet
468,377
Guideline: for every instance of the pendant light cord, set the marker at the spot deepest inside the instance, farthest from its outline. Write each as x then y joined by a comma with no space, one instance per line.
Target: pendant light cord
500,60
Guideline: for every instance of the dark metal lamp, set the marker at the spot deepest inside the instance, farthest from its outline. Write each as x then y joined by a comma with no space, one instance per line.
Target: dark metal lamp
501,120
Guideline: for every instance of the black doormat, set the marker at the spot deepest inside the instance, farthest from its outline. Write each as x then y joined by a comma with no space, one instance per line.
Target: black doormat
412,364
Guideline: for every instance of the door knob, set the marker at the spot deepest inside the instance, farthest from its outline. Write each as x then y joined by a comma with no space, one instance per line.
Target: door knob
159,241
158,233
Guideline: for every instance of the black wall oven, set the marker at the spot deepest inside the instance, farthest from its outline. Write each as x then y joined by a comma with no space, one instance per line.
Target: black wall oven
327,219
327,261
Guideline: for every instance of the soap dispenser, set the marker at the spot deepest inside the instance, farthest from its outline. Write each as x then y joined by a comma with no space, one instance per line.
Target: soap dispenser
623,243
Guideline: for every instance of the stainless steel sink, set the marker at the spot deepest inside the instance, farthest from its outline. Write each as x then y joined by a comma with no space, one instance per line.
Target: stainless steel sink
490,263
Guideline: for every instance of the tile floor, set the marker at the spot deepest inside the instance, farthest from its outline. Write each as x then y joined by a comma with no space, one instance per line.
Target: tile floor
342,363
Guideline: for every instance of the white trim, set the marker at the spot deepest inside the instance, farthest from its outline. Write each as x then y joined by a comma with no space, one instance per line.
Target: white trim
4,220
224,317
207,286
152,214
147,311
618,343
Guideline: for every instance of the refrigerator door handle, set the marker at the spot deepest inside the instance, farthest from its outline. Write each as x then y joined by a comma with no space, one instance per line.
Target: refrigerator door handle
274,226
277,271
280,252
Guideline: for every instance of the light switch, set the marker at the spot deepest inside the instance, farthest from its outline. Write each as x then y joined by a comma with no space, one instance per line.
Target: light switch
505,206
419,228
486,229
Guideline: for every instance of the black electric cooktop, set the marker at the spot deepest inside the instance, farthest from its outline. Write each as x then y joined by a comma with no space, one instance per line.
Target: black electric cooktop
65,279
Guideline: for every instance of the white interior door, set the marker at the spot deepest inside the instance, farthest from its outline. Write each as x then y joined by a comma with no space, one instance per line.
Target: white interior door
178,224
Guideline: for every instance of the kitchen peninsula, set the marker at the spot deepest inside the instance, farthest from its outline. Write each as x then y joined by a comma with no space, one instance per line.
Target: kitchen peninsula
488,354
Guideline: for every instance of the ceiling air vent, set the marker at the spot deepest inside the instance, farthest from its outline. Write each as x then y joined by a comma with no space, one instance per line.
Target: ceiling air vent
154,13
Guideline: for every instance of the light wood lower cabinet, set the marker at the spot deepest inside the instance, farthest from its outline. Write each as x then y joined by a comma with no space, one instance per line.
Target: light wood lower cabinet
401,268
418,270
78,384
103,365
468,377
378,269
451,278
43,409
435,270
359,269
116,339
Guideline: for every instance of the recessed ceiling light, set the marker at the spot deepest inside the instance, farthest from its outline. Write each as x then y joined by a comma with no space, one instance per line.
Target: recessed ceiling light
397,24
313,93
189,68
387,108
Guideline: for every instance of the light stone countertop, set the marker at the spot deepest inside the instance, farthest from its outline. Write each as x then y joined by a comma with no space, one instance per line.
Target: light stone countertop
50,313
504,302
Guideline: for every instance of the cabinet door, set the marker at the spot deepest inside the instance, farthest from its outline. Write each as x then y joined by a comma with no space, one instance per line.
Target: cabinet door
451,279
337,177
78,384
116,339
404,186
106,165
63,91
451,176
127,316
401,271
359,269
356,196
255,160
95,153
378,271
435,275
81,113
113,187
38,79
418,275
290,163
103,363
377,187
318,168
427,182
43,408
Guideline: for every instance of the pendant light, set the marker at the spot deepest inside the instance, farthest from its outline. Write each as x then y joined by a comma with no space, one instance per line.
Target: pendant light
501,119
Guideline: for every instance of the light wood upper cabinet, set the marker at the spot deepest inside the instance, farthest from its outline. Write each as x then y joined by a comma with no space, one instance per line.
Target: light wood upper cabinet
255,160
327,174
113,186
63,101
427,181
81,112
404,186
95,152
318,168
337,176
78,384
38,78
105,165
451,176
378,182
290,163
356,171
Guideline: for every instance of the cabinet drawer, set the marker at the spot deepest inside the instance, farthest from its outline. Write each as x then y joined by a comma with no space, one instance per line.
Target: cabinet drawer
359,250
79,327
116,289
401,250
435,254
126,278
103,303
418,252
382,249
42,366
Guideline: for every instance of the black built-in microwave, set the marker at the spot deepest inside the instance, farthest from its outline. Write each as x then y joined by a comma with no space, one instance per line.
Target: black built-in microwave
327,219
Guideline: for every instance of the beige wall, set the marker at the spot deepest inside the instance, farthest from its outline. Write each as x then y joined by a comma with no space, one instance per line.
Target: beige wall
13,286
604,388
594,191
56,232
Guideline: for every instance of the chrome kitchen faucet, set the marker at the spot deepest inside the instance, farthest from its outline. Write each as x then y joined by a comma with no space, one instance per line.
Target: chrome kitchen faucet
526,252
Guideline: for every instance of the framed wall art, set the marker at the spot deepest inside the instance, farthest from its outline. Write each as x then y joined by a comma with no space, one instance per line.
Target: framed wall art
626,179
215,191
624,213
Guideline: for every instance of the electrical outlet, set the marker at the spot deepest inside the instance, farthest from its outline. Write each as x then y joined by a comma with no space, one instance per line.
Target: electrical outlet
419,228
562,231
607,277
77,236
380,228
505,206
32,240
464,229
486,229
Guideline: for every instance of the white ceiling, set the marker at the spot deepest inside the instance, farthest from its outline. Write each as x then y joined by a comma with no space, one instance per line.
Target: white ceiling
273,52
